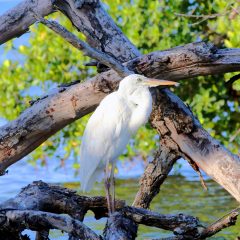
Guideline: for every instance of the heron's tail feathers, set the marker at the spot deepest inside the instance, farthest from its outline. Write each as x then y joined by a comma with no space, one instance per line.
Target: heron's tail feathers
87,180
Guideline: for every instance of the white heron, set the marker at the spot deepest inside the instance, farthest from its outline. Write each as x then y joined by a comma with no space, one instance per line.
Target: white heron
110,127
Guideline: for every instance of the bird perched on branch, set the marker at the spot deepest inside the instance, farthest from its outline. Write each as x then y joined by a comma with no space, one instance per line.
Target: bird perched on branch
110,127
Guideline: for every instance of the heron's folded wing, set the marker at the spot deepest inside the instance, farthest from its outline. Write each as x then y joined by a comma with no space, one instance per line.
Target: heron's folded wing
106,125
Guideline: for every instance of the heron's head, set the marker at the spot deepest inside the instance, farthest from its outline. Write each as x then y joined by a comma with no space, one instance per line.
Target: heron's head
135,81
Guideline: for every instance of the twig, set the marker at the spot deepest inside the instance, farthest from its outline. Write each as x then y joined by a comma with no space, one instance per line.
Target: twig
89,51
205,17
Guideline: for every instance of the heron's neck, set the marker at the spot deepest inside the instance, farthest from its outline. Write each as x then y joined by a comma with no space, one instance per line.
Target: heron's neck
140,103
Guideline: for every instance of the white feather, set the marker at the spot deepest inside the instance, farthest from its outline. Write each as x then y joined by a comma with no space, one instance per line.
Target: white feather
109,129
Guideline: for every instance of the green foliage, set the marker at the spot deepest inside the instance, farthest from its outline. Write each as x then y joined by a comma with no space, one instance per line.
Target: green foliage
150,25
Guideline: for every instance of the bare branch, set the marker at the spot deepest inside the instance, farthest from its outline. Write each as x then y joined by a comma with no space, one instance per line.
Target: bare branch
16,21
105,59
220,224
180,224
37,220
37,207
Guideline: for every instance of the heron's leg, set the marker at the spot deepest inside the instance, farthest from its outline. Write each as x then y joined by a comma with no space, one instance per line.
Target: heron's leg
107,188
112,184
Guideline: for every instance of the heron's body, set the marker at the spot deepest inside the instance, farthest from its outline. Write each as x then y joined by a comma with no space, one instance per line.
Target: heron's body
110,127
117,118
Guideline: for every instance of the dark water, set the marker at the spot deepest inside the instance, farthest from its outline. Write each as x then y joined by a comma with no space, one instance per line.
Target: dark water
179,194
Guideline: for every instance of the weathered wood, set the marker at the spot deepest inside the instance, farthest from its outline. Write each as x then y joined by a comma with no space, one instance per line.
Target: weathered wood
47,116
50,198
156,172
220,224
39,205
120,227
197,59
16,21
179,224
102,57
37,220
92,20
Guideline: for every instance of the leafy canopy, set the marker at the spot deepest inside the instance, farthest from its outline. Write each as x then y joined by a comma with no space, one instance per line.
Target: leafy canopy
47,60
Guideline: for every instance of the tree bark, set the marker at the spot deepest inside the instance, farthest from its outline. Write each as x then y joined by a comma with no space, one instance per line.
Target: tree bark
17,21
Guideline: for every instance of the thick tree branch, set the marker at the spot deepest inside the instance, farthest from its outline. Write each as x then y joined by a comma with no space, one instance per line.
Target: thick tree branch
92,20
156,172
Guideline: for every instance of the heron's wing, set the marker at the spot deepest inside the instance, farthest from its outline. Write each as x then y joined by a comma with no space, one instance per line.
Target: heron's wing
105,127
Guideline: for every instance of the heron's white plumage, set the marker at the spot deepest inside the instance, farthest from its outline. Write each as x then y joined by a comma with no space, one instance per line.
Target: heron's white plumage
110,127
101,140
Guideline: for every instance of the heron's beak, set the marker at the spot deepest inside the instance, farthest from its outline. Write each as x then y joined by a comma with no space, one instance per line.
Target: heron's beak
151,82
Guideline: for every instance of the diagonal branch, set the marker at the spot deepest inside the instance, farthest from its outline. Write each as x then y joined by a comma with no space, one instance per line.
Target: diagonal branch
102,57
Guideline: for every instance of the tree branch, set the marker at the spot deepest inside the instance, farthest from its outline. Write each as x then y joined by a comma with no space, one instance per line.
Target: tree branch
17,20
38,220
102,57
224,222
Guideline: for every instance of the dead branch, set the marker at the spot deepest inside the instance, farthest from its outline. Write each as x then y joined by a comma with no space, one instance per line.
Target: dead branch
220,224
170,116
102,57
44,118
156,172
120,227
179,224
37,207
17,20
37,220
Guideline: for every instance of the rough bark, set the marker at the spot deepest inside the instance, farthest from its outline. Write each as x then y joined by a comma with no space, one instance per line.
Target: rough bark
156,172
120,227
16,21
92,20
179,224
50,198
